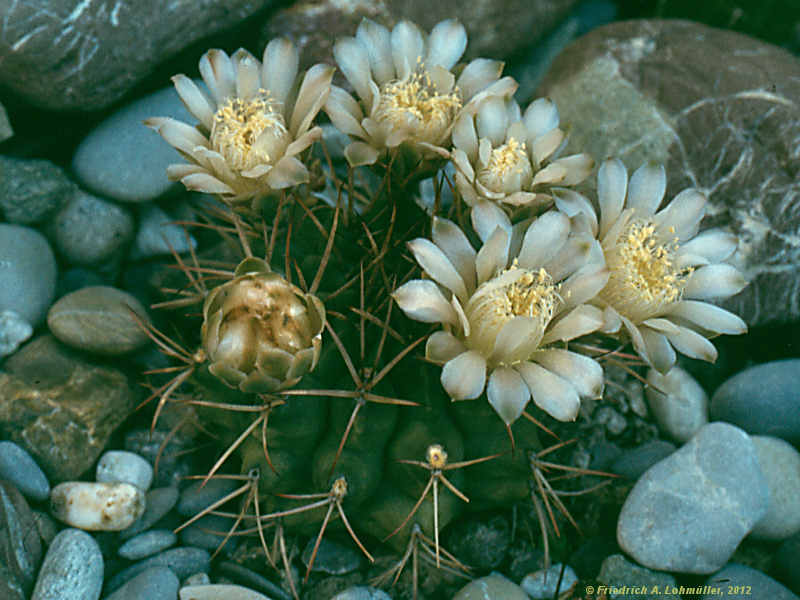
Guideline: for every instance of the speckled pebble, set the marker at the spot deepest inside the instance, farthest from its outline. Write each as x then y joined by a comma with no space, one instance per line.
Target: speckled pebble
780,463
362,593
217,592
617,571
126,467
147,543
27,272
541,585
197,496
72,568
18,467
13,331
743,583
31,190
158,502
491,587
97,506
156,583
331,558
678,403
98,319
182,561
158,235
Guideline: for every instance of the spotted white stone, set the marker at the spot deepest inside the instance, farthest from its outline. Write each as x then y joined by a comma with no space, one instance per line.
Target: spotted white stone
97,506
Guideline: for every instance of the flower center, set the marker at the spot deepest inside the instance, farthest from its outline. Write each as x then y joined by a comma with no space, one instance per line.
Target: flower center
644,277
414,105
515,292
249,133
508,169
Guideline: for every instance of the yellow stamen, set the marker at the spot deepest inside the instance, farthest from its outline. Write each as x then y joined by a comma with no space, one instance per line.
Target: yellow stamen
508,169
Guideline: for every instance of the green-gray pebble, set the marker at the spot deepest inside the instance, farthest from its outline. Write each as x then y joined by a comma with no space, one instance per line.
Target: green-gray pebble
72,568
147,543
27,272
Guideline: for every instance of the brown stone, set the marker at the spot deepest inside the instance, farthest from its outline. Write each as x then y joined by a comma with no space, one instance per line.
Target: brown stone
61,408
496,28
722,111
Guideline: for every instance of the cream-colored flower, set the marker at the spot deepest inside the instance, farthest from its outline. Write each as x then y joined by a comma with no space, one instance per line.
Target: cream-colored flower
407,94
510,159
256,120
503,311
661,269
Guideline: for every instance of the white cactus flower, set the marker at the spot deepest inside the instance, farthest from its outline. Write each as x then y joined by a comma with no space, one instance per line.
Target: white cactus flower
504,311
256,120
407,92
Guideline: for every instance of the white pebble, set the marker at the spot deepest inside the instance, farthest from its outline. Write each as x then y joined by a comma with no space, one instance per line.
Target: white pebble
97,506
216,591
124,467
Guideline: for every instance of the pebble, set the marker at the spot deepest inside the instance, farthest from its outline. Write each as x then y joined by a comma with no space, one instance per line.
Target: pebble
614,422
174,464
72,568
158,502
541,585
678,403
32,190
780,463
18,467
27,272
209,532
491,587
762,400
6,130
251,579
618,572
125,467
362,593
124,160
97,506
197,496
217,591
98,319
20,546
786,562
90,230
147,543
739,582
689,512
480,542
46,526
13,331
197,579
332,558
182,561
159,235
155,583
633,463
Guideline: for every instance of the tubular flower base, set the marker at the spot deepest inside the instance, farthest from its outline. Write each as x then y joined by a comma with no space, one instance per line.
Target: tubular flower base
661,269
407,94
251,127
509,159
261,333
502,314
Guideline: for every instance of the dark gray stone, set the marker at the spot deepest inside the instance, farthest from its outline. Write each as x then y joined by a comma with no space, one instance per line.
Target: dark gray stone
27,272
147,543
19,468
480,542
786,563
182,561
5,127
158,502
32,190
636,461
762,400
72,568
209,532
156,583
251,579
724,121
331,558
689,512
739,582
618,572
158,235
20,545
75,55
197,496
780,463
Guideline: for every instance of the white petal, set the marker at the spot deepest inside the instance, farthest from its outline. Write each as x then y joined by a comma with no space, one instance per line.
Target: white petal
443,346
344,112
454,243
662,356
577,166
491,121
359,154
544,239
646,189
179,171
551,174
486,217
551,393
612,185
583,285
287,172
611,321
503,88
508,394
661,325
517,340
353,62
577,250
177,134
584,373
465,138
462,165
478,74
203,182
582,320
493,255
377,41
464,376
304,141
218,73
408,47
681,217
446,43
436,264
540,117
279,68
543,146
715,245
465,189
195,100
714,281
248,74
693,345
311,97
577,207
422,300
636,339
708,316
